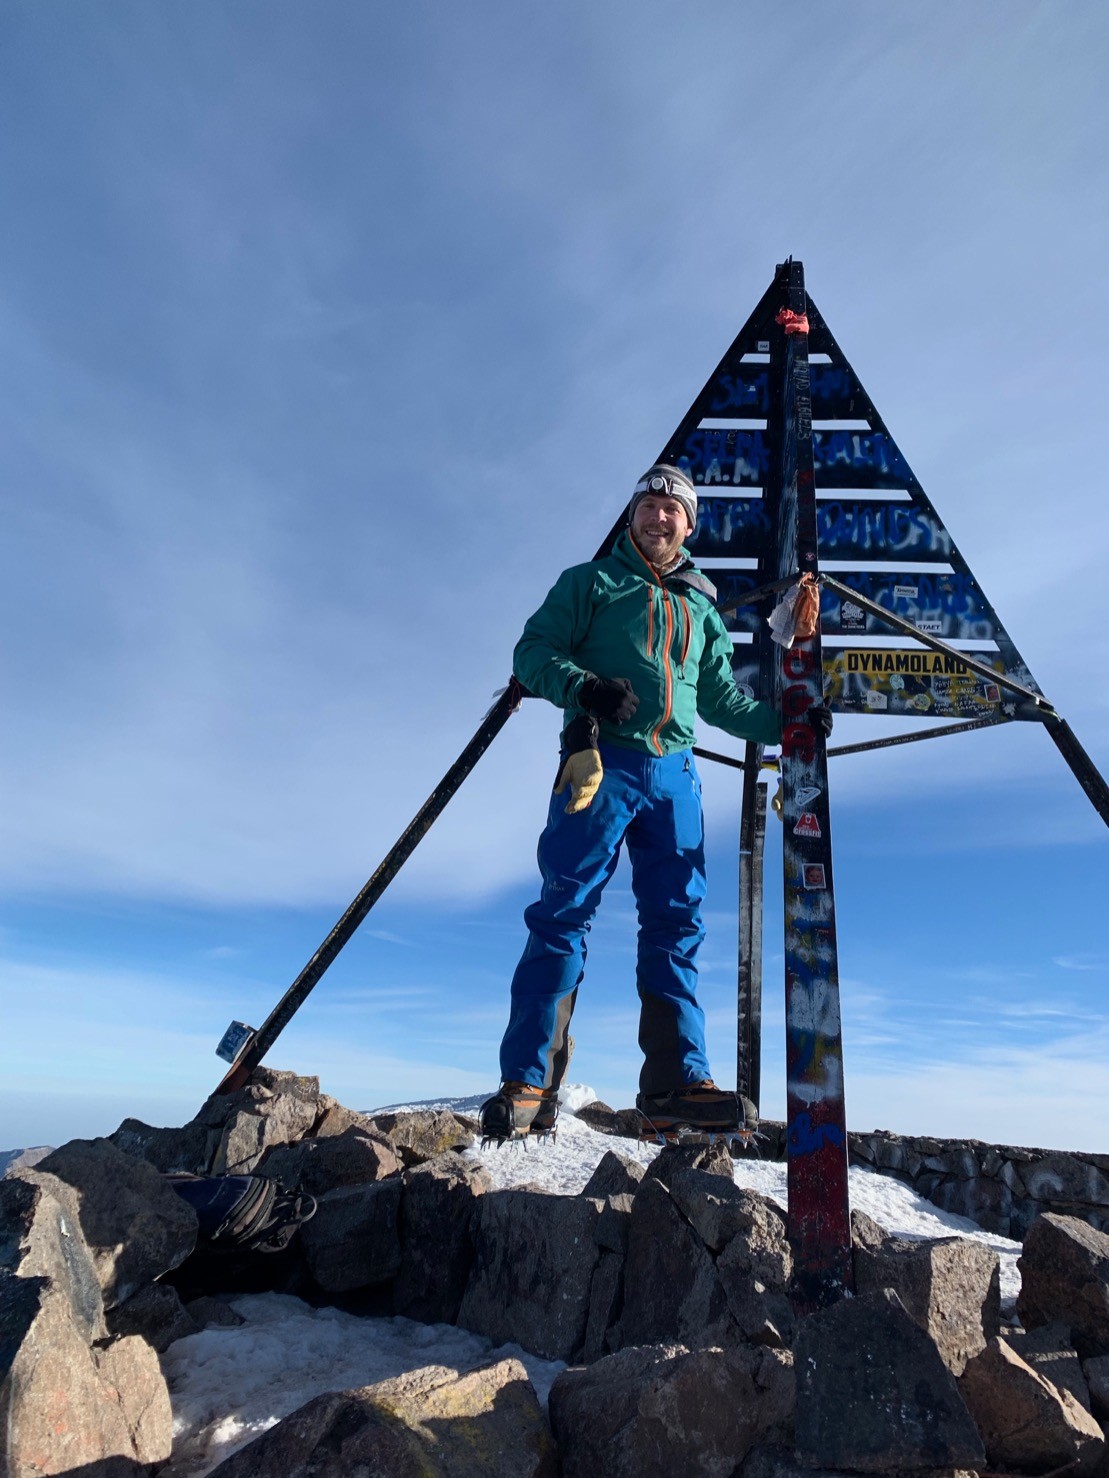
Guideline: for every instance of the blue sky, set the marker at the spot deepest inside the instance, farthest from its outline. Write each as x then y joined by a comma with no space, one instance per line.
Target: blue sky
332,333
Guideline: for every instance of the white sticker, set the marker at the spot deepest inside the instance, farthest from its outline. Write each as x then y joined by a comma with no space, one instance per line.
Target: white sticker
807,793
897,681
906,592
764,347
876,700
935,627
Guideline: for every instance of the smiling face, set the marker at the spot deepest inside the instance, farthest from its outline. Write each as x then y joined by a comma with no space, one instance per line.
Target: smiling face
659,526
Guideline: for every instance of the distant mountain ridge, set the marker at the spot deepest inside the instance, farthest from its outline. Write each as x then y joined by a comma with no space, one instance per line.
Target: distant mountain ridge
12,1161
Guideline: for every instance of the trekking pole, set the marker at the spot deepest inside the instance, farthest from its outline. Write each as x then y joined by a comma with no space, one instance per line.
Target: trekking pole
247,1048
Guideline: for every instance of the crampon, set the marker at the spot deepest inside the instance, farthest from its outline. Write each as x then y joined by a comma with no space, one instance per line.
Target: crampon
697,1113
518,1113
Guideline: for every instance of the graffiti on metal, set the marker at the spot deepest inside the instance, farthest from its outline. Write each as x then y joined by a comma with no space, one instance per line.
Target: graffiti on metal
836,393
805,1137
858,529
741,458
870,529
736,526
858,459
947,605
941,604
918,683
735,458
814,1058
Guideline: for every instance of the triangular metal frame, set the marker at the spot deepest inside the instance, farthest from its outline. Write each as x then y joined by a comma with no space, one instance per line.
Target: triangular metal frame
781,497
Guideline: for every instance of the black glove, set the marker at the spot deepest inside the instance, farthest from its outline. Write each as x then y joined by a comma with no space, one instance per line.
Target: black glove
609,698
820,717
580,733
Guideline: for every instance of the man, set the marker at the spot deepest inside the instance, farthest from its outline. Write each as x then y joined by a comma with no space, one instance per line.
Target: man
632,649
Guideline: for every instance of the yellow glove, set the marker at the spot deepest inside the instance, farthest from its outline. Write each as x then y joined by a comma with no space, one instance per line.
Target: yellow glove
583,773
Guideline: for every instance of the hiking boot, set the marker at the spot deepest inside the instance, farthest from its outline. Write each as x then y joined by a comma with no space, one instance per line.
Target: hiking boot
699,1106
517,1110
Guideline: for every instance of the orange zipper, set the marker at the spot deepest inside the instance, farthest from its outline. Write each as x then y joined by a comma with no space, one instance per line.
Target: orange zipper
667,672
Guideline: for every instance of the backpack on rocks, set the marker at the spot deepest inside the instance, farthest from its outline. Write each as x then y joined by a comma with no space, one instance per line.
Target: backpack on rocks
244,1213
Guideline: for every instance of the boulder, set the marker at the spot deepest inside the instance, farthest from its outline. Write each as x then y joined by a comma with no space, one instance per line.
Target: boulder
74,1409
606,1300
1050,1352
68,1403
135,1225
772,1460
611,1231
1061,1177
40,1239
421,1134
354,1157
658,1411
754,1265
615,1175
718,1210
755,1269
273,1108
951,1287
352,1240
1064,1269
1025,1421
189,1150
437,1237
431,1423
712,1158
534,1257
208,1312
873,1394
333,1117
1096,1373
866,1233
988,1203
155,1312
672,1294
625,1123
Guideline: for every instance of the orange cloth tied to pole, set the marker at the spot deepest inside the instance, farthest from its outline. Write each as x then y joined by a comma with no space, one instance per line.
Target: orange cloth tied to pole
793,323
806,613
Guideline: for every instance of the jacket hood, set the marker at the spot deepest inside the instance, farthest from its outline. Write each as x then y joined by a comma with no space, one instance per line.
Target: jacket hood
628,553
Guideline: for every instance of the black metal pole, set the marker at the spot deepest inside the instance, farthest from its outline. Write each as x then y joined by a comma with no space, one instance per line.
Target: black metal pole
750,904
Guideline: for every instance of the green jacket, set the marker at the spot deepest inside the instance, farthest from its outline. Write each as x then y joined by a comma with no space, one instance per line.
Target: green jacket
613,618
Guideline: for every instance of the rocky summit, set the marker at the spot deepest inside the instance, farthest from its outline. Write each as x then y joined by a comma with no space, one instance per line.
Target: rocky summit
667,1293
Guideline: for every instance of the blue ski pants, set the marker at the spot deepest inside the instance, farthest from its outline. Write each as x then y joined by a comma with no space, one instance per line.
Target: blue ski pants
653,804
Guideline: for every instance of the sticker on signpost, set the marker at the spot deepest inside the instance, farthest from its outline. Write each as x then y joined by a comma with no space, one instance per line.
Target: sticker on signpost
812,875
807,825
876,700
807,793
851,616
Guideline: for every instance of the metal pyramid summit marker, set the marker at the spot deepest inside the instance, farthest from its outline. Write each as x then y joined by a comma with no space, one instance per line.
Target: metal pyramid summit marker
798,476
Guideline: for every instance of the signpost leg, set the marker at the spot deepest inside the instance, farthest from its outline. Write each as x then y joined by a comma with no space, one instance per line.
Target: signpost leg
752,840
816,1135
